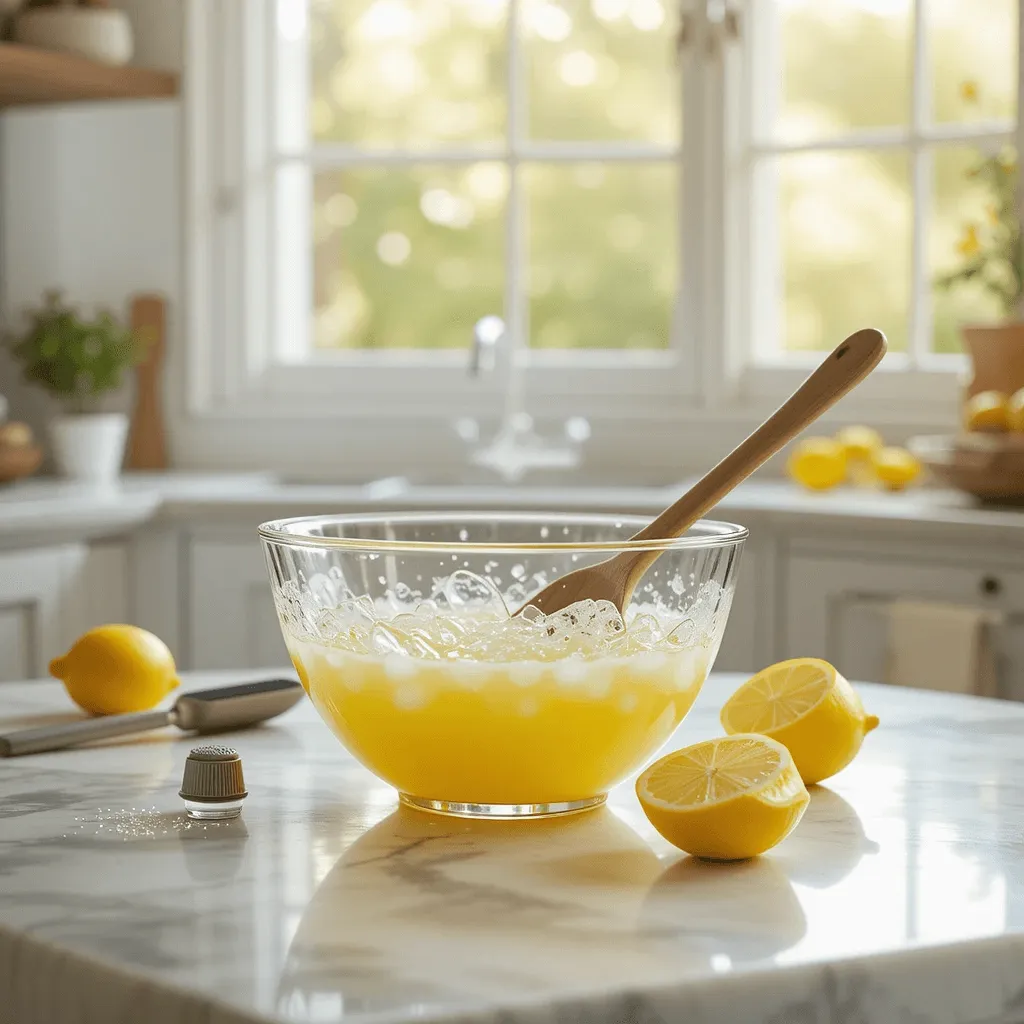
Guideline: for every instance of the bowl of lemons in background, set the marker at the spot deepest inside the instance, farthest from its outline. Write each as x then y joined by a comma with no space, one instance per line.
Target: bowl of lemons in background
986,459
857,455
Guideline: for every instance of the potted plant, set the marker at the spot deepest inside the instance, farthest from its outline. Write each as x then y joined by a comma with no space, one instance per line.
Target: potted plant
80,360
992,259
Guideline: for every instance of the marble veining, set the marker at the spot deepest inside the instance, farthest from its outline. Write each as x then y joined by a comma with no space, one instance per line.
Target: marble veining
900,898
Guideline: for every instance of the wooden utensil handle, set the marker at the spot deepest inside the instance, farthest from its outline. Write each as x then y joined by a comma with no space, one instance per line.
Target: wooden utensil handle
842,370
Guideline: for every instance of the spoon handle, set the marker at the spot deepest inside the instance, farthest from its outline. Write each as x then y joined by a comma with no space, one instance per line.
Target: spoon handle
844,368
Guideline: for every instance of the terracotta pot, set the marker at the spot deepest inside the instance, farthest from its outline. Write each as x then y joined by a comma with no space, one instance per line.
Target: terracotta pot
997,357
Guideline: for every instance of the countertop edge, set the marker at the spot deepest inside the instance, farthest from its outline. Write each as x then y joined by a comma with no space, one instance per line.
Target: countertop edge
92,988
876,986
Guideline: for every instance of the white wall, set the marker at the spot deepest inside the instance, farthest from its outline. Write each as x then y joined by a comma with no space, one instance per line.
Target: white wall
90,198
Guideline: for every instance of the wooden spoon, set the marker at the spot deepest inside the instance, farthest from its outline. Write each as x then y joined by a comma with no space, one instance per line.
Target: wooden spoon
615,579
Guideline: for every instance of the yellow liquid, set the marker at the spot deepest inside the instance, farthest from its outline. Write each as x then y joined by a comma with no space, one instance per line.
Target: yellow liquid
512,732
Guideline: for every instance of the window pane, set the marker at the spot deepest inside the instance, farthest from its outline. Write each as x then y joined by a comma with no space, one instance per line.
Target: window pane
846,64
407,258
971,195
601,69
845,242
974,59
603,254
407,72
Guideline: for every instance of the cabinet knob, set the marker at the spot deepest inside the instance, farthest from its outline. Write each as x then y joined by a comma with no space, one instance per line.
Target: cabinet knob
991,585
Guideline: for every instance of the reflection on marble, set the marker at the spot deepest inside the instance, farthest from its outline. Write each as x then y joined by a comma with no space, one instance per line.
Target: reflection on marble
899,898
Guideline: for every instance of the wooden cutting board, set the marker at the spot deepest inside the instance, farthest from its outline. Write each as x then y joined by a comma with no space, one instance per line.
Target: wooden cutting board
147,447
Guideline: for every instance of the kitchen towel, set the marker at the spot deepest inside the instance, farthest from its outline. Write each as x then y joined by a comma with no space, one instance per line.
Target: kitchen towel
937,646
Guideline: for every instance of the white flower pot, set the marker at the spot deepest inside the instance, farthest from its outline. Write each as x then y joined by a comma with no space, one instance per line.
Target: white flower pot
90,448
102,34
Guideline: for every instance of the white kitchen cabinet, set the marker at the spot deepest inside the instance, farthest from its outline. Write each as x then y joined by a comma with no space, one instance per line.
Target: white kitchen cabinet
48,596
837,607
98,590
231,617
746,645
34,586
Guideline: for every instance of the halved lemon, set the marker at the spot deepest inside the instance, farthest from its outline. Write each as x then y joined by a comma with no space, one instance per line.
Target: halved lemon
809,707
728,798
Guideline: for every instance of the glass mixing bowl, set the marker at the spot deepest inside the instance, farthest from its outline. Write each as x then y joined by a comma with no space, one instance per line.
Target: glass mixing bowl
403,632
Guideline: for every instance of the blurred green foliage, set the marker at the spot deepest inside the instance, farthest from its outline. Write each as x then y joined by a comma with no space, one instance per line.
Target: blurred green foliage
74,358
410,257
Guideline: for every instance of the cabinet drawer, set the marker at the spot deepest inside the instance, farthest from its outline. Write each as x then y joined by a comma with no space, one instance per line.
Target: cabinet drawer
837,609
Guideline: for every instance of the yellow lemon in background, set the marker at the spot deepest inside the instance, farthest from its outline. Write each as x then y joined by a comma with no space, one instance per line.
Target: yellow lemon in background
818,463
806,705
987,411
859,443
895,468
116,669
728,798
1015,411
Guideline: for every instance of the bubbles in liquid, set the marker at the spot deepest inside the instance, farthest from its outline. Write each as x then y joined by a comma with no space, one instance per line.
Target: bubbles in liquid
466,619
466,592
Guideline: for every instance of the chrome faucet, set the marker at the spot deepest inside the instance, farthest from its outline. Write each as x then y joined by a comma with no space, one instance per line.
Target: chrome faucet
487,332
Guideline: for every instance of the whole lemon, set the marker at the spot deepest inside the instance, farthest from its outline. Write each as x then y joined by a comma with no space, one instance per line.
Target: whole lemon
116,669
859,442
818,463
895,468
1015,411
987,411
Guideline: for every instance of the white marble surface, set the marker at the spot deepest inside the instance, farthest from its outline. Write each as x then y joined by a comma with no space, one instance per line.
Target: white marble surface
900,898
43,511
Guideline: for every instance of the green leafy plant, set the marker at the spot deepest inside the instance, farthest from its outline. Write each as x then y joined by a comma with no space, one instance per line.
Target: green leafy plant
991,252
74,358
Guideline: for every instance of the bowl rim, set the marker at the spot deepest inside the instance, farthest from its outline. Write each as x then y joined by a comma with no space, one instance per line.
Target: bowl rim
276,531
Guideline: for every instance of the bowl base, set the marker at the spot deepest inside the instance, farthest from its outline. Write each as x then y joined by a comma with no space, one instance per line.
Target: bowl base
461,810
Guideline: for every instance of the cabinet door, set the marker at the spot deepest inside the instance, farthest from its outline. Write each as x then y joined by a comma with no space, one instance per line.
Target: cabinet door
744,642
33,602
98,590
232,622
837,609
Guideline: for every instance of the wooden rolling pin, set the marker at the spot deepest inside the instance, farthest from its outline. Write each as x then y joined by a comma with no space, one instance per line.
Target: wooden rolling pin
147,448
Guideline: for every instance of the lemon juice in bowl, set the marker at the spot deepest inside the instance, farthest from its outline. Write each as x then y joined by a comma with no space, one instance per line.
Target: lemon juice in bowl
403,631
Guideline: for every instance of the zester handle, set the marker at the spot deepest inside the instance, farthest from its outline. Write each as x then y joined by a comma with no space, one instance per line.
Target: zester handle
57,737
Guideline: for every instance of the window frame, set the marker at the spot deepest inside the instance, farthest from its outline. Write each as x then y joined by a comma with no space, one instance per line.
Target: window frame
706,378
235,367
913,387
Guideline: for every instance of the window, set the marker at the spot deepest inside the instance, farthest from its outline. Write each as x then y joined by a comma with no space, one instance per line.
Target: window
673,204
869,118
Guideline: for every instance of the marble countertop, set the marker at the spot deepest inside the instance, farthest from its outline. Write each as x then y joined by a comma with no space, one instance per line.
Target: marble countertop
900,897
46,511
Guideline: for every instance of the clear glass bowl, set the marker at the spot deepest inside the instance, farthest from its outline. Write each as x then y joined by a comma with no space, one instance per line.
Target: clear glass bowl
400,629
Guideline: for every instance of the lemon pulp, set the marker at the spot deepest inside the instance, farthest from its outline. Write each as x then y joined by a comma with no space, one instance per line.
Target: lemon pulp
728,798
806,705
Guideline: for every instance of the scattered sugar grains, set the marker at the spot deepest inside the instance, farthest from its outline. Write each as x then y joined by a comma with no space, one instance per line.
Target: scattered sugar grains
135,823
466,618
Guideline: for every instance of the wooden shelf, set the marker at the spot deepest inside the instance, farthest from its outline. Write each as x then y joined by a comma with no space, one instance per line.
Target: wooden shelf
30,76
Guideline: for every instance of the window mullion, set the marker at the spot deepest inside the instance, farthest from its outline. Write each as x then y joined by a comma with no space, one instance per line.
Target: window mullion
516,308
1019,134
920,326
